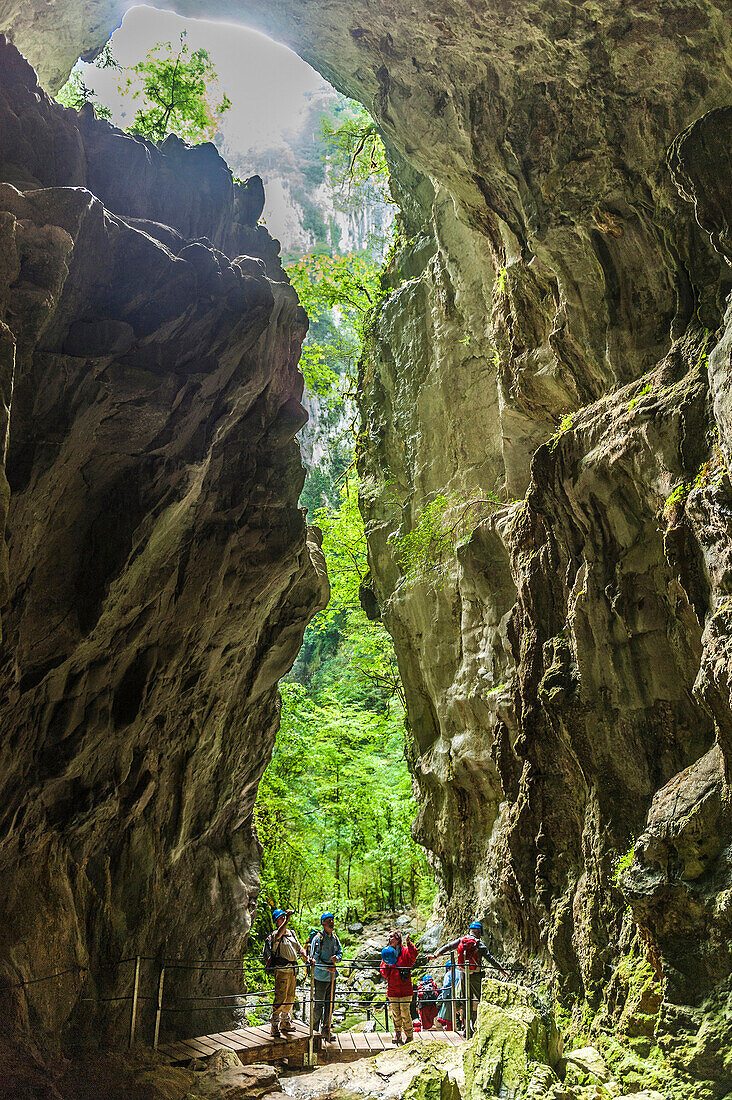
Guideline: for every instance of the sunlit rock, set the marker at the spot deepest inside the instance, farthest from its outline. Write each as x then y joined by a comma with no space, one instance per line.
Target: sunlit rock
158,574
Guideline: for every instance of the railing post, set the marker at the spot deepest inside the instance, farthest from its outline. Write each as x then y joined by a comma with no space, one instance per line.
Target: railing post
161,983
135,992
467,999
452,991
311,1052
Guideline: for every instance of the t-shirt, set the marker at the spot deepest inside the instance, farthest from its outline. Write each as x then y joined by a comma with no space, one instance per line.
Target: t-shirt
288,947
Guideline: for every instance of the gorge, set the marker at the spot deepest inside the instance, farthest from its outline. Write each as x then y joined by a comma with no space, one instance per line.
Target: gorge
552,354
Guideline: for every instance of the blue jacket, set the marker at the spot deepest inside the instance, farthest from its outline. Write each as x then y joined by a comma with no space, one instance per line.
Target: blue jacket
321,948
446,984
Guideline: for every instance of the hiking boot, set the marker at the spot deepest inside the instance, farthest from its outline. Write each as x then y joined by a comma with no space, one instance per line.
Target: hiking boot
276,1034
287,1025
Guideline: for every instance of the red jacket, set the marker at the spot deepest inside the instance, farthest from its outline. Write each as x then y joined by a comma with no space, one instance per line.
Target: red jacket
395,985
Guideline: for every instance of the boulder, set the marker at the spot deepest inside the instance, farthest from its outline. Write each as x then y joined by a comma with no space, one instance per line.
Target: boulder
514,1039
414,1072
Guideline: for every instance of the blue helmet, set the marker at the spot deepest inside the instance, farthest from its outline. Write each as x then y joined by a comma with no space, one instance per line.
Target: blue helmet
277,913
476,925
426,977
327,916
389,956
448,965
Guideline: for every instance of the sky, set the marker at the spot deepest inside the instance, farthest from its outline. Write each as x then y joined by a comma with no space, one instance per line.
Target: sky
266,82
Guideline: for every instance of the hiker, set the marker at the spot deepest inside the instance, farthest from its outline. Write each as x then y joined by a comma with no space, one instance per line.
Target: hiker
444,999
325,952
470,953
281,950
396,966
427,994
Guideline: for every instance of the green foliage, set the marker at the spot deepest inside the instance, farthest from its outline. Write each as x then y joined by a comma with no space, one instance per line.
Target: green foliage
710,474
648,388
501,279
338,292
713,471
441,526
174,87
335,806
355,155
622,864
76,94
676,499
349,283
564,425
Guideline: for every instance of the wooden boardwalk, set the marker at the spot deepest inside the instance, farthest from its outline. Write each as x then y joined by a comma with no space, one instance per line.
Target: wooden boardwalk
255,1044
349,1045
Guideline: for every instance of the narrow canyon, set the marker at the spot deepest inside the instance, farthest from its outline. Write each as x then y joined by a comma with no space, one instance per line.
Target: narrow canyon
551,358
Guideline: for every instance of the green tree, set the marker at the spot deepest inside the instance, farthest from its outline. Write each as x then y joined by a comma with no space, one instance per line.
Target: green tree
335,805
175,88
338,293
75,93
356,161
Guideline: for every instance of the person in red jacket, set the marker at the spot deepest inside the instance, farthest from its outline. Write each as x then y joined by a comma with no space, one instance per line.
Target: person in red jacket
396,966
471,951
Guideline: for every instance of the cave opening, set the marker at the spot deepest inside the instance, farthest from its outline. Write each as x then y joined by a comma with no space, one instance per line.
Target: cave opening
542,462
337,792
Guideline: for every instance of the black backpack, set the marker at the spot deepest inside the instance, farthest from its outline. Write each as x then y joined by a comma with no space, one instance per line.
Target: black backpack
270,954
427,991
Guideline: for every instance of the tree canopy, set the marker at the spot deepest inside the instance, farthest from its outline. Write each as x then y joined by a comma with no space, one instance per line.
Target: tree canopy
175,90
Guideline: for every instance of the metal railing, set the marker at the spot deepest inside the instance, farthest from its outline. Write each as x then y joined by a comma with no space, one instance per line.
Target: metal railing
459,1004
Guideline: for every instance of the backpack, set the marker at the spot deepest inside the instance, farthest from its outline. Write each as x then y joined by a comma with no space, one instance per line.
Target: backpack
270,954
427,991
468,952
315,948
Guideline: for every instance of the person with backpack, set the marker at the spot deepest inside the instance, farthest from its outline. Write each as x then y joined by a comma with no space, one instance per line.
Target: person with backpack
444,999
325,952
396,966
279,956
471,951
427,994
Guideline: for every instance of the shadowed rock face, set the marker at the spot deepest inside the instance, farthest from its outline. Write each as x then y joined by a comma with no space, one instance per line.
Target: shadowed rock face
159,575
555,336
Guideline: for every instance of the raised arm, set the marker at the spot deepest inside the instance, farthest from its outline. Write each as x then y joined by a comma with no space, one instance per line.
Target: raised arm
485,953
451,946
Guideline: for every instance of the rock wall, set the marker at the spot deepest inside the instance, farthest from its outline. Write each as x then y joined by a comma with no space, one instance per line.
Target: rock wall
554,345
158,575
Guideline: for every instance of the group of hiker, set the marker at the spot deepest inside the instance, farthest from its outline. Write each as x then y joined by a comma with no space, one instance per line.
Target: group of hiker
437,1006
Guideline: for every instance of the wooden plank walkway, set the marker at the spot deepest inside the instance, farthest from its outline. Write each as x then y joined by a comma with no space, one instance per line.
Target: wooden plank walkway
349,1045
255,1044
251,1044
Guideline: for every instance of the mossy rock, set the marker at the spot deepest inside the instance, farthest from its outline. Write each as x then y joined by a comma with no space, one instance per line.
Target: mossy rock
433,1083
511,1042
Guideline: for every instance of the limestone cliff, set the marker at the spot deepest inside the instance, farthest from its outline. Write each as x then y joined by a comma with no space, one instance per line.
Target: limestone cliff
158,575
553,344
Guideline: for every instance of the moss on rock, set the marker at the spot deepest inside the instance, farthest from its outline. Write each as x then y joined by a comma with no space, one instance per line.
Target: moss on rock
513,1039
